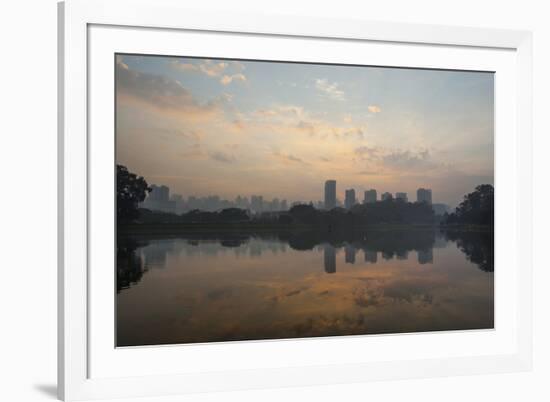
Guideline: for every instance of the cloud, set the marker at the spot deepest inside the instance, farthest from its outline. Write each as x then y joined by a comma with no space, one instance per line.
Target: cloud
367,152
184,66
120,63
408,160
208,67
222,157
288,158
238,66
214,69
161,93
228,79
329,89
306,126
193,152
374,109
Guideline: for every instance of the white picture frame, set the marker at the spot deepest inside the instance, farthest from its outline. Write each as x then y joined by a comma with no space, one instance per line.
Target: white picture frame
84,26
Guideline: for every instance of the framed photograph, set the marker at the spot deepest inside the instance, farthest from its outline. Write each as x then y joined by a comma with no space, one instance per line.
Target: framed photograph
253,201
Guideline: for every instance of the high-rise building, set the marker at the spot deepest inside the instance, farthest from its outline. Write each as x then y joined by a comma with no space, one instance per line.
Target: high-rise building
159,193
349,201
330,194
370,196
256,203
387,196
401,196
159,199
424,195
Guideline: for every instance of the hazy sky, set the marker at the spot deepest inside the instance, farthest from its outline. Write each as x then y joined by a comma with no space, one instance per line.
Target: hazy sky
229,128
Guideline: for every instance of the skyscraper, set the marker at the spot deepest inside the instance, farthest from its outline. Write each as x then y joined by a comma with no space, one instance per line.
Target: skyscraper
370,196
159,193
387,196
256,203
401,196
350,198
330,194
424,195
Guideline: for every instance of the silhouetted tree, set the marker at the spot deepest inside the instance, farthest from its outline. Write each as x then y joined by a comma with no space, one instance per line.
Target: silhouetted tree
304,213
477,208
233,215
131,190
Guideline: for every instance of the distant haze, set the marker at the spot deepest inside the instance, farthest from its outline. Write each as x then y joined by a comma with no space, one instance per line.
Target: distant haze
227,128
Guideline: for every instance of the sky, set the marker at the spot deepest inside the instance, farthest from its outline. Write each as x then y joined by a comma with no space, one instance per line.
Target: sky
228,128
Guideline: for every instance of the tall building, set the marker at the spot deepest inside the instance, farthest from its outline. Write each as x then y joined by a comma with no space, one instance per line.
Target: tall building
159,193
256,203
350,198
401,196
159,199
370,196
387,196
424,195
330,194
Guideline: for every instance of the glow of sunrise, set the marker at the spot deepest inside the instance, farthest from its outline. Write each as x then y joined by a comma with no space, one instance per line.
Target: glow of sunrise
227,128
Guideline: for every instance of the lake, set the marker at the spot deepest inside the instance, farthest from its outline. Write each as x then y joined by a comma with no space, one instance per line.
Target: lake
212,287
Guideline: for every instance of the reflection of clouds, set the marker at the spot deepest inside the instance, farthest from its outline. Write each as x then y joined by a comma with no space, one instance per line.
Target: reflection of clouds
289,294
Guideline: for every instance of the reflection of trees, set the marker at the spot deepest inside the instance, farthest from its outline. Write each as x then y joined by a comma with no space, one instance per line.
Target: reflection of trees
479,247
389,243
130,267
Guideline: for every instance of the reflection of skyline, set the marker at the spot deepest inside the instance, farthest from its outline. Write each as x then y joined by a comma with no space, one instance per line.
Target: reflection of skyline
350,254
371,256
136,258
426,256
329,259
155,253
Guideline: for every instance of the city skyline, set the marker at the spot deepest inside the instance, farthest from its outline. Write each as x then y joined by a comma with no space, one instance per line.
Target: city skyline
161,199
230,128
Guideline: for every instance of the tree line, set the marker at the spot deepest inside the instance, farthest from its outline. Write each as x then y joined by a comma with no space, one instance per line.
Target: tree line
476,208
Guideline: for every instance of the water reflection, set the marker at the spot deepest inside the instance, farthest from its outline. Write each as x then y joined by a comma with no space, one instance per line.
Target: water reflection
479,247
330,259
202,287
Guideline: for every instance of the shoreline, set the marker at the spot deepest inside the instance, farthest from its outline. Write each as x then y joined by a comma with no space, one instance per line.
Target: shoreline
248,227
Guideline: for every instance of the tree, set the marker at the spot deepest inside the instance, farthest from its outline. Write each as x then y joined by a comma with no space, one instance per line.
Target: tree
477,208
131,190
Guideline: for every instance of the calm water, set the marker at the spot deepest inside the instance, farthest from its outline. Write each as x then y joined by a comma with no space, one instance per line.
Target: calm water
208,288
